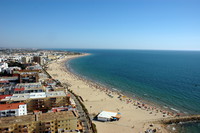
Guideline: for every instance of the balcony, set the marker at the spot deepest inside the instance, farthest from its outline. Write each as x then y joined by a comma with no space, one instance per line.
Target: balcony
47,129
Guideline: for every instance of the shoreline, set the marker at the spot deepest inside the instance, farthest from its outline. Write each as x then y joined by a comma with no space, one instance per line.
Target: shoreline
133,111
118,92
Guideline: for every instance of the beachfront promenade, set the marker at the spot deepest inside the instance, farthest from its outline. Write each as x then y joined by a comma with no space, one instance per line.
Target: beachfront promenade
83,115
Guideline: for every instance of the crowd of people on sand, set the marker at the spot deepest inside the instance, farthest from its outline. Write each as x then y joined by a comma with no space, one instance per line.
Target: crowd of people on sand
111,93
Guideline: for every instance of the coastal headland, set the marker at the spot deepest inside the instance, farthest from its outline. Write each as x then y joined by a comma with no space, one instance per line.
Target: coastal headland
136,115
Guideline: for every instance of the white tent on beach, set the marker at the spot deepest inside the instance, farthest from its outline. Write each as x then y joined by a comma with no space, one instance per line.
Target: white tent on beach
108,116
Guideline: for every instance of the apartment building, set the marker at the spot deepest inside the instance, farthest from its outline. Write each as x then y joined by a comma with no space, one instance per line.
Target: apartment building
13,109
52,99
28,76
54,122
42,101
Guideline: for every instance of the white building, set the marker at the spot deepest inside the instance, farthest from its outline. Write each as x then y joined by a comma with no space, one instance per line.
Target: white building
29,85
25,96
55,93
3,66
13,109
108,116
10,70
72,102
18,97
26,59
37,95
34,67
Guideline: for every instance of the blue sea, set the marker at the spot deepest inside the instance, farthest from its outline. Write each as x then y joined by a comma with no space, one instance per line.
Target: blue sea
170,79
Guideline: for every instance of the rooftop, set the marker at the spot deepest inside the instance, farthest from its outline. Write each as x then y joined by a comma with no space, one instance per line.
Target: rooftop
55,93
4,96
10,106
109,114
19,97
25,96
38,95
19,89
27,84
4,81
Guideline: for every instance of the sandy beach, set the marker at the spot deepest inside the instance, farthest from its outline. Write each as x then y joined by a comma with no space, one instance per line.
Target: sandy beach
135,115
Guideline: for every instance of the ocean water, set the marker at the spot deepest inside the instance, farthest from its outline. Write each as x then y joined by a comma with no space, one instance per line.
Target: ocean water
188,128
170,79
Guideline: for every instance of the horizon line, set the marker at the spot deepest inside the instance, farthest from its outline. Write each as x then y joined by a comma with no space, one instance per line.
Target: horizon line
102,49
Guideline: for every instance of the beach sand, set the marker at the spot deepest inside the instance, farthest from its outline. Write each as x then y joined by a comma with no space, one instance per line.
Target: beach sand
97,99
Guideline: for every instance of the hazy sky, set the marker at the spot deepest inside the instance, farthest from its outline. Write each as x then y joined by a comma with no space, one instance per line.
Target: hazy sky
107,24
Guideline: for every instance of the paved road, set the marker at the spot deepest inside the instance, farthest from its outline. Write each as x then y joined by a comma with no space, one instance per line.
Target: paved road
83,116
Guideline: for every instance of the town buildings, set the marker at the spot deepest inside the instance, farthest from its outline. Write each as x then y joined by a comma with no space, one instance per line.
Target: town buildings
41,123
14,109
31,101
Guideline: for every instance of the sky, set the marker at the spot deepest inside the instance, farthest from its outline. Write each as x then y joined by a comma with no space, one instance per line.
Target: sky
100,24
